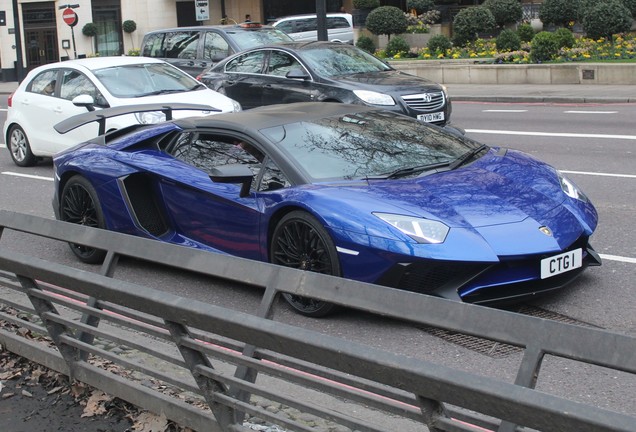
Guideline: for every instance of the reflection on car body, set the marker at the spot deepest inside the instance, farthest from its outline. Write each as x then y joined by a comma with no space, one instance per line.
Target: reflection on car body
346,190
325,72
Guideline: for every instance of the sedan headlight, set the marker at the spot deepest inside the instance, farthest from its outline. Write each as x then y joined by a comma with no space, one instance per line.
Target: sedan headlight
374,98
150,117
419,229
571,189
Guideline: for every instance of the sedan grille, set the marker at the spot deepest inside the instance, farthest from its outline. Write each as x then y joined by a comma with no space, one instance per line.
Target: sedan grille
425,101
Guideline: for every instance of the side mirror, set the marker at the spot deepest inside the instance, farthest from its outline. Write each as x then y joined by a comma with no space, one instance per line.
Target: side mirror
234,173
297,74
85,101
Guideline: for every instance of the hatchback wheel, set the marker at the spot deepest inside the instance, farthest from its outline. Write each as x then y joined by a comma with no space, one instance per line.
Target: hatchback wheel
79,204
20,148
300,241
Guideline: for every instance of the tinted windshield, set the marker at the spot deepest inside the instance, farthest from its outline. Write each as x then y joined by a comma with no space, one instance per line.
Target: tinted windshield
342,60
144,79
251,39
369,144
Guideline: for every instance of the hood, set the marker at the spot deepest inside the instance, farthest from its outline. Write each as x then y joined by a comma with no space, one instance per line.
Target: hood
391,81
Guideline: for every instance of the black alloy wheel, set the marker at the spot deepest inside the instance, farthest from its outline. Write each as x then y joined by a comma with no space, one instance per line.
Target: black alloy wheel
300,241
79,205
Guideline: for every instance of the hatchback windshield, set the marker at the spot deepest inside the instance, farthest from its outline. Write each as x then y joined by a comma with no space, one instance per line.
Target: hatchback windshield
129,81
250,39
341,60
377,144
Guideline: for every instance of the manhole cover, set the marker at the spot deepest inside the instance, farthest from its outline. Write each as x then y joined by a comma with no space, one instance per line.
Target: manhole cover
497,349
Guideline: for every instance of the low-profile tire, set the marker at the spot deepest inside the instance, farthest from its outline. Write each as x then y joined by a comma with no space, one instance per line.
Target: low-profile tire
300,241
19,147
79,204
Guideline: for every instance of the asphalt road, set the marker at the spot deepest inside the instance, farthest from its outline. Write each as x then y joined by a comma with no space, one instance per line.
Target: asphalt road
594,144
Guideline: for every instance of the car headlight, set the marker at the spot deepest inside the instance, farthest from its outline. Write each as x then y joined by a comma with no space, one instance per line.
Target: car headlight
374,98
419,229
571,189
236,106
150,117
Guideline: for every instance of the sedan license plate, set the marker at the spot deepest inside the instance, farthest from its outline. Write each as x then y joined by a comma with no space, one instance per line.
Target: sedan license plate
438,116
562,263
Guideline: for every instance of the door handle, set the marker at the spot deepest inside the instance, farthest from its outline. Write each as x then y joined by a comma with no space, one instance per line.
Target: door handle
58,110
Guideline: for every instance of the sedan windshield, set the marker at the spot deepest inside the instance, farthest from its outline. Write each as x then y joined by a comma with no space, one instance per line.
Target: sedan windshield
333,61
369,145
129,81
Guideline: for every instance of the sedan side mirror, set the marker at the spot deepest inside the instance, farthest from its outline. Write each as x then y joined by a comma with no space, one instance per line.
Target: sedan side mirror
234,173
85,101
298,74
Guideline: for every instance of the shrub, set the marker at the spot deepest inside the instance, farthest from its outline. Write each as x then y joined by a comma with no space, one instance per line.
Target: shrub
505,11
397,45
386,20
366,4
564,37
631,6
525,32
439,44
420,6
89,29
365,43
508,40
559,12
606,18
544,47
471,21
129,26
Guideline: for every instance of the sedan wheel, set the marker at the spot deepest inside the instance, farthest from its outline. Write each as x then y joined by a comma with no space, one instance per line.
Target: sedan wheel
300,242
19,147
79,204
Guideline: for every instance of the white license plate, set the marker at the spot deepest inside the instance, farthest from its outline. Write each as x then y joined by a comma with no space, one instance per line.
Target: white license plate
438,116
562,263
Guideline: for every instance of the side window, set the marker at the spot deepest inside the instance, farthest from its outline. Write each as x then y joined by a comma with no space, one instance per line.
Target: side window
247,63
44,83
280,63
215,47
286,26
152,46
206,151
307,24
273,178
181,45
337,22
75,84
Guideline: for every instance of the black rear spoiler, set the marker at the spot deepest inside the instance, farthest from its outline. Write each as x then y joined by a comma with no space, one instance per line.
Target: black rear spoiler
100,116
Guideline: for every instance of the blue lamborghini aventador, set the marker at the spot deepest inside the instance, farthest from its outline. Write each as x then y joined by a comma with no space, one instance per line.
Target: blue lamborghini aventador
345,190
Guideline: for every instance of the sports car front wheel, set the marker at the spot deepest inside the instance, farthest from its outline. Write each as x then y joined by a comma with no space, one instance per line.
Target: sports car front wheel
79,204
300,241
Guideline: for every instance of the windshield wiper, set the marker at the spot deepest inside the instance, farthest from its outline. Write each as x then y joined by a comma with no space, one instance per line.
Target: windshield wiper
403,172
465,157
159,92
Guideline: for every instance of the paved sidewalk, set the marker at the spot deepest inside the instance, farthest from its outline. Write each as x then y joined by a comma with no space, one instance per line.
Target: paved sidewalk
555,93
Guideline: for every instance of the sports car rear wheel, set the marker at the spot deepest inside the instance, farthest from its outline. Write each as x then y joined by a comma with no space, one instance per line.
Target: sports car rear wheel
300,241
79,204
20,148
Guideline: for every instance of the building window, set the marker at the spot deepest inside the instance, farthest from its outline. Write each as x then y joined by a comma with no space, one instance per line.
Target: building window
107,18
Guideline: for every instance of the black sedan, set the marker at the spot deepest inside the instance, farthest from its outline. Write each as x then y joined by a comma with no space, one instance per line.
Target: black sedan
325,72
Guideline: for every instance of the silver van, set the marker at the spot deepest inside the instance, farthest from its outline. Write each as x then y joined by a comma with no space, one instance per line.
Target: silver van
305,27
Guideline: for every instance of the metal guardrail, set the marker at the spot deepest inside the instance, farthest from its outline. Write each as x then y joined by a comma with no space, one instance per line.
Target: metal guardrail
215,367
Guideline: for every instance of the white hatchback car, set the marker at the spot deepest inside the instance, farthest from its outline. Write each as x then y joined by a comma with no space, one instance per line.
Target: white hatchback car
46,97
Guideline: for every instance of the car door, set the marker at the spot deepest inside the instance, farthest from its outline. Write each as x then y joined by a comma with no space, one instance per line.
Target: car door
209,212
278,88
243,78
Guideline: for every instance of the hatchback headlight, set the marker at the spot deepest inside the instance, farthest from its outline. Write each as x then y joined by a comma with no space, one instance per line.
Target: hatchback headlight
419,229
571,189
150,117
374,98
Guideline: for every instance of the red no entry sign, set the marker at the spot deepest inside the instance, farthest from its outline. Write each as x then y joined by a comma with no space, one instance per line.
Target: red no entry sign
69,16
